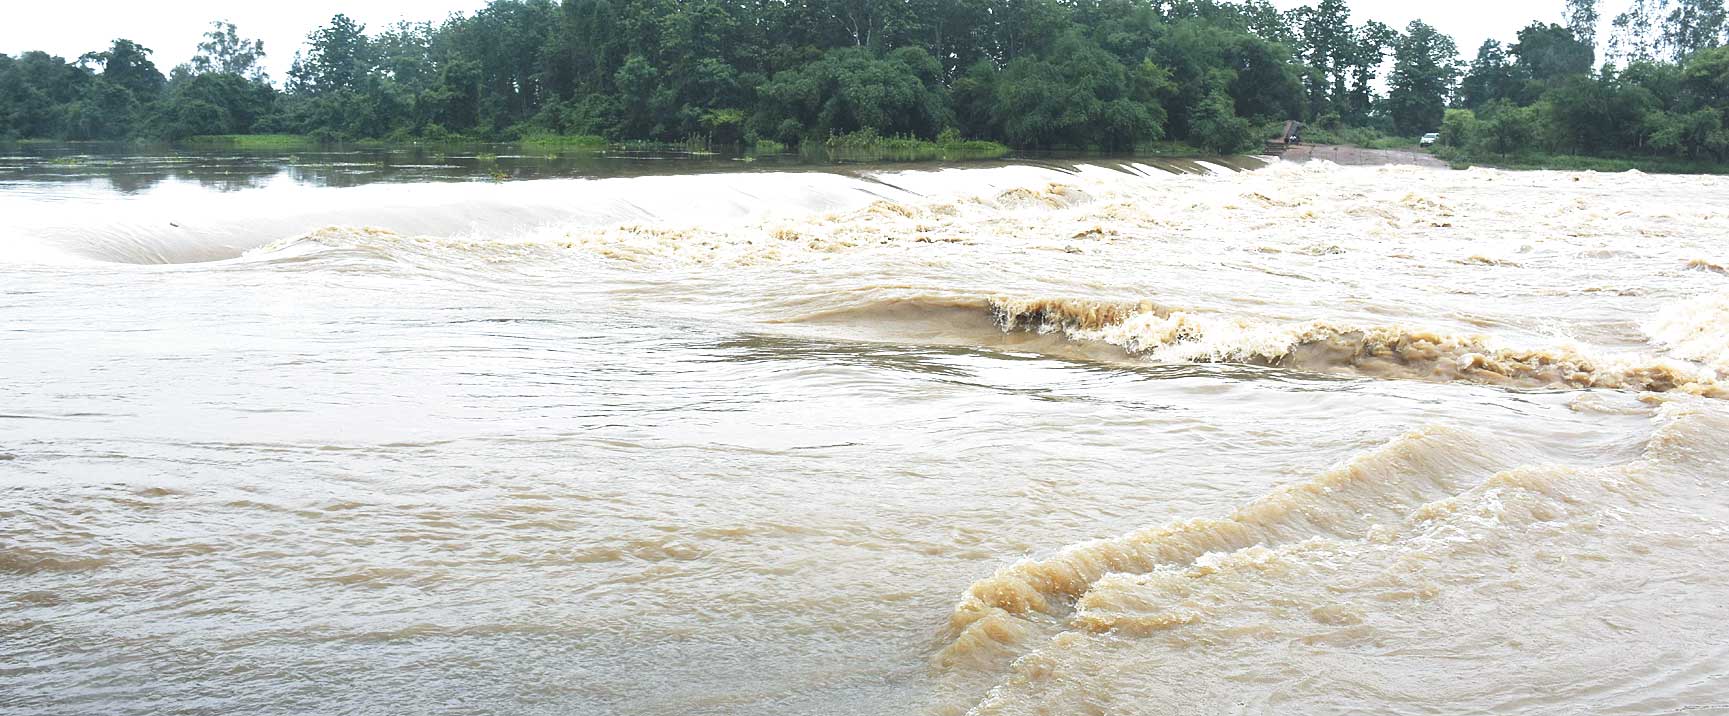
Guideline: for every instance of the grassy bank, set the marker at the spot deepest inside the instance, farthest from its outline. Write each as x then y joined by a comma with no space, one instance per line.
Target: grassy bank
857,146
1571,162
250,141
1358,137
766,146
867,144
542,142
264,142
1169,148
1364,137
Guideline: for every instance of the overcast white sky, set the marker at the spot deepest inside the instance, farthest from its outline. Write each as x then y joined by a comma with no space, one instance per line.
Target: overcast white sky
174,28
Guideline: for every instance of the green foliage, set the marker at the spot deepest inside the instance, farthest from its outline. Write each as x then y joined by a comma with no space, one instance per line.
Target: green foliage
1424,68
251,141
641,101
853,89
1202,57
127,65
1392,143
338,58
868,144
1218,129
1692,26
1694,135
214,103
1706,77
1582,17
912,77
1368,137
1650,110
1032,72
1329,47
1537,159
103,110
1168,148
545,142
1491,77
1079,96
1594,114
1549,52
225,52
36,91
1509,130
766,146
1636,31
1459,127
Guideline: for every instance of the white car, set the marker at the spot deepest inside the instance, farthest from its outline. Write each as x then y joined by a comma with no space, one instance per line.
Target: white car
1429,139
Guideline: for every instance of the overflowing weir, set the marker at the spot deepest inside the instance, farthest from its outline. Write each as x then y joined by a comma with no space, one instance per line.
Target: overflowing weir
1015,438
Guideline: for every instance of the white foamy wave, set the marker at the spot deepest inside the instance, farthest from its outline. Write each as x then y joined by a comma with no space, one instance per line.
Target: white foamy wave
174,225
1697,330
1174,335
182,228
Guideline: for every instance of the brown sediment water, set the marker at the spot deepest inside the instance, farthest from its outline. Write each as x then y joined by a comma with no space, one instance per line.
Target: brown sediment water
1022,438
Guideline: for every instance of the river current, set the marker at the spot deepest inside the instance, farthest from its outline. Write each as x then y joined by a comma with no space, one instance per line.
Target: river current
1096,437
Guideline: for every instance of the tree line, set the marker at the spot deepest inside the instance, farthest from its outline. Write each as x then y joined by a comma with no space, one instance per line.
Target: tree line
1103,74
1546,93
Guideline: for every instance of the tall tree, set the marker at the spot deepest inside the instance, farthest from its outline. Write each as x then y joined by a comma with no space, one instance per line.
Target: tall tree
127,65
338,57
877,24
1582,18
35,90
1706,77
506,41
1425,65
1490,78
1328,46
1550,52
1371,44
587,49
851,89
403,52
224,51
1080,95
1636,35
1691,26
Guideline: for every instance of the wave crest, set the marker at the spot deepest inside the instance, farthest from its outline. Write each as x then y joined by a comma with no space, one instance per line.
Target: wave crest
1375,486
1696,330
1404,548
1174,335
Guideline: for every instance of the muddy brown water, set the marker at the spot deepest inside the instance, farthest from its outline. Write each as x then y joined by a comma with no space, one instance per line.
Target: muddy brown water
1021,437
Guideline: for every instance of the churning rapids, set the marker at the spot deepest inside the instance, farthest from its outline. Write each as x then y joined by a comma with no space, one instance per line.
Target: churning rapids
1103,438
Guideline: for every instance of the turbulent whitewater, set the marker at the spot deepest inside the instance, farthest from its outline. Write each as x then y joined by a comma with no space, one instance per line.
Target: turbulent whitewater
1038,438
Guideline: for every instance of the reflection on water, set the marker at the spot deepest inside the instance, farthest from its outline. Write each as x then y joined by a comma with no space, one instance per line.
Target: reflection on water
132,169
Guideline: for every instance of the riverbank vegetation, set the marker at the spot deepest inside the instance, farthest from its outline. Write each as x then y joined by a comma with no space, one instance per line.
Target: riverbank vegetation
1544,102
931,78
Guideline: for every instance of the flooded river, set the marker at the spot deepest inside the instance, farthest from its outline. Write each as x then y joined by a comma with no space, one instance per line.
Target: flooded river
715,437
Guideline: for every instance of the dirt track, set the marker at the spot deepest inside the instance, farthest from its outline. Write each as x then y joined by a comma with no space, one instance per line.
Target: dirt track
1358,156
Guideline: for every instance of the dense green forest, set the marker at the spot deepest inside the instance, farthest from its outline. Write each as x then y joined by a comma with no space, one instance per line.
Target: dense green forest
1544,93
1101,74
